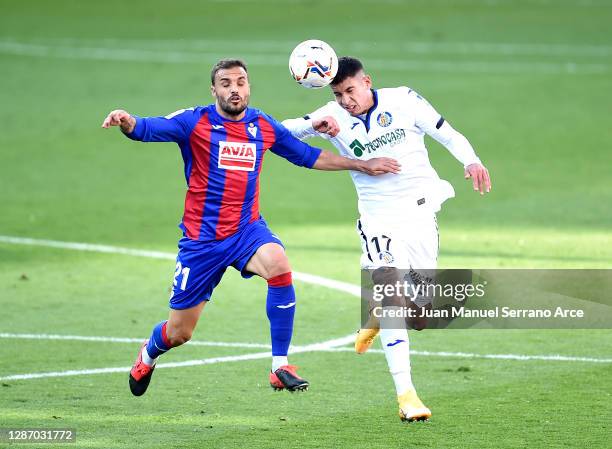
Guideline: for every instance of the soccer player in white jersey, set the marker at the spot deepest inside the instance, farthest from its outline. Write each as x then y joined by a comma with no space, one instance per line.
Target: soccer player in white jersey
397,221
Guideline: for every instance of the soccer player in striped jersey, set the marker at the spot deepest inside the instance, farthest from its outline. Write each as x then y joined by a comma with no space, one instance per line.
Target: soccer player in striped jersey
223,145
397,223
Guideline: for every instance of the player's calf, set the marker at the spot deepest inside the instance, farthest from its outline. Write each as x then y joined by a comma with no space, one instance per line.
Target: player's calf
141,372
417,321
178,337
280,308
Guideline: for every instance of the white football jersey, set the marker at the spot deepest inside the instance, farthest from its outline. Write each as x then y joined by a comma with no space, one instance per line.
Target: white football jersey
394,127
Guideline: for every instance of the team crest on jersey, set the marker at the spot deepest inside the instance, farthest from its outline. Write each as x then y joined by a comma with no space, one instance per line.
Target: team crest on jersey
252,129
384,119
386,257
237,156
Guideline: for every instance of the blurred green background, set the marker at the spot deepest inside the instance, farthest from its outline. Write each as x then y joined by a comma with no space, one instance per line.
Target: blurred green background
527,82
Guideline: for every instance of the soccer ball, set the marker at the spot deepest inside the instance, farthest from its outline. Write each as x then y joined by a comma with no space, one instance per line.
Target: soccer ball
313,64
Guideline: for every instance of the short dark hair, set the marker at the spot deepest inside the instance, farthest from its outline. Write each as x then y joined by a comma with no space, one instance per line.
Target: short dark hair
226,64
347,67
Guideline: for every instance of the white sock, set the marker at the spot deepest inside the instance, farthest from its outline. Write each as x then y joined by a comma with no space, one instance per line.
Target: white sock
146,358
278,361
397,351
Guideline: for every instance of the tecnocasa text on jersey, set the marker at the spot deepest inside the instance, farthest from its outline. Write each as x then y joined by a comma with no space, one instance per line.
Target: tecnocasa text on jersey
391,138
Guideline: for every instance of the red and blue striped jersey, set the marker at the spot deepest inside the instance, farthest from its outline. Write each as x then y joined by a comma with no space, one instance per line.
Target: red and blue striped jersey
223,160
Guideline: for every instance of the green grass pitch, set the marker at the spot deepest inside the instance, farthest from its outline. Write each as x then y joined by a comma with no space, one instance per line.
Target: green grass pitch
527,81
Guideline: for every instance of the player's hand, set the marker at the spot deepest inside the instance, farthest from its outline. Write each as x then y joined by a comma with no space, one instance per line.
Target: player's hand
480,177
380,166
326,125
121,118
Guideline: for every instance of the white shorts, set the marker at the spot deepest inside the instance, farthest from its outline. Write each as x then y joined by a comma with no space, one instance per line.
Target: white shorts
403,245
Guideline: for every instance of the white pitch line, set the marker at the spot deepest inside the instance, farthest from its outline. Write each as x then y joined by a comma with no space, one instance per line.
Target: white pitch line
126,369
334,345
276,47
76,246
193,57
329,345
87,247
315,346
471,355
323,346
351,289
221,344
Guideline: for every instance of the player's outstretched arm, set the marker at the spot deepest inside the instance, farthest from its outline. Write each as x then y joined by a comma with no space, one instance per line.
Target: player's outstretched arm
373,167
432,123
174,127
303,155
120,118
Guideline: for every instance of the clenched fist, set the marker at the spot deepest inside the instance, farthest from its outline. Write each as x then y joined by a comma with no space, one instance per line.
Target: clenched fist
120,118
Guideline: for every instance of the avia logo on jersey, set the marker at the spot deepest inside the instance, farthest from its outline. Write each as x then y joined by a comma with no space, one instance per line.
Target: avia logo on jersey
391,138
237,156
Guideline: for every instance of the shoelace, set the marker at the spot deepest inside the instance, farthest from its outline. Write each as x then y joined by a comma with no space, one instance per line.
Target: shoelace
143,369
291,369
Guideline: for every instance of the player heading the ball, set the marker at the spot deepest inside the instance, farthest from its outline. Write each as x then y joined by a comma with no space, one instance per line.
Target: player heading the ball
223,145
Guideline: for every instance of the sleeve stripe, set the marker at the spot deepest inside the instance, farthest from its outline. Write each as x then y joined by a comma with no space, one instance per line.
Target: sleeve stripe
306,117
440,122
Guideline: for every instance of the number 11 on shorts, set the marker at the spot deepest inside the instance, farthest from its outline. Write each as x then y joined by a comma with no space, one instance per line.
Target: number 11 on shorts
183,272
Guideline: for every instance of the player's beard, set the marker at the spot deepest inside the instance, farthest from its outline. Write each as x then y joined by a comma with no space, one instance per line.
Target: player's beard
233,109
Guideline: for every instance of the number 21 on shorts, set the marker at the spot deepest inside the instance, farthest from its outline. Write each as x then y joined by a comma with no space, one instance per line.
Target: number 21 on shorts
181,274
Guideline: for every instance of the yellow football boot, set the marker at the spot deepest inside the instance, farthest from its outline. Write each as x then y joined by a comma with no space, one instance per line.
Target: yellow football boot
364,339
411,408
367,334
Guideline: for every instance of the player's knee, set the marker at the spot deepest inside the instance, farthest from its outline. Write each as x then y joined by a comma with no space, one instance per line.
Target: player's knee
277,266
385,275
179,336
388,276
